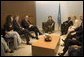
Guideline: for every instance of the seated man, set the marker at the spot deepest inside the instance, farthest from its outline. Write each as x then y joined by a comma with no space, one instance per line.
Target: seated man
4,47
27,25
66,25
21,30
50,24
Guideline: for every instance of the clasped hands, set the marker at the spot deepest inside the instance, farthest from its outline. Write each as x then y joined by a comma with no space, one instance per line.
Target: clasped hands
30,26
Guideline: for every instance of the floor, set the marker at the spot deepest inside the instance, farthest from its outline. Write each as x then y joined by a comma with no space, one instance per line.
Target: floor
25,50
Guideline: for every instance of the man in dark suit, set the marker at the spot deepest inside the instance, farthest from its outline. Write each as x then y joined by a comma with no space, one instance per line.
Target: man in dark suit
27,25
21,30
66,25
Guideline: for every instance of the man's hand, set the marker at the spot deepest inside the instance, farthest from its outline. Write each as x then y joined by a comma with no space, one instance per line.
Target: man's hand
73,33
73,38
22,28
30,26
76,46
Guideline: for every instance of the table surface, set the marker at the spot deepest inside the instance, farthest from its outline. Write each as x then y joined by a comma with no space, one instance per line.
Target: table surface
50,45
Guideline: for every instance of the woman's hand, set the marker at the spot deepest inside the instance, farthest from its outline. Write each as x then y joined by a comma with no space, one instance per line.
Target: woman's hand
22,28
7,32
12,30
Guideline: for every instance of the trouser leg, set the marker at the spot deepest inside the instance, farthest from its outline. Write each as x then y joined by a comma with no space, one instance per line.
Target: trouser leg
2,50
4,44
36,29
15,42
18,38
26,31
14,36
27,38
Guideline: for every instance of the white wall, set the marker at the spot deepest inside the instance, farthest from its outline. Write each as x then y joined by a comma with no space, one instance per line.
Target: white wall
46,8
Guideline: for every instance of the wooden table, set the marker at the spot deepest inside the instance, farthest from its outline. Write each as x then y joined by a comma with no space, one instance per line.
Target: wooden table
42,48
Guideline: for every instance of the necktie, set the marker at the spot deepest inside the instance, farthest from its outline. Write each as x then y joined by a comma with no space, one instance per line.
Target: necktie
27,22
18,24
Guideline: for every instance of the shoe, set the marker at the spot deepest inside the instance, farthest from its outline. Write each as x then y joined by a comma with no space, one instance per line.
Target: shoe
40,34
33,37
60,54
12,51
37,37
9,51
29,44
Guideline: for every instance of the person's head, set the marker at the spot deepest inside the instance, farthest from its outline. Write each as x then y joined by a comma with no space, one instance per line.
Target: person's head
26,17
9,19
69,18
16,18
81,16
50,17
73,17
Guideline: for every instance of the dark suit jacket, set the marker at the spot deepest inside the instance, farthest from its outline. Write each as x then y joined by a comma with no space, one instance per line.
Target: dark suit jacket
65,26
16,26
78,30
25,24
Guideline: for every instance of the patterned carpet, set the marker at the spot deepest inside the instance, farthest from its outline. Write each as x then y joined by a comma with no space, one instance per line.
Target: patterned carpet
25,50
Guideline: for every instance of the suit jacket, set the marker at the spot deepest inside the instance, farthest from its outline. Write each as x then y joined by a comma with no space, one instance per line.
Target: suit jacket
16,26
79,30
65,26
25,23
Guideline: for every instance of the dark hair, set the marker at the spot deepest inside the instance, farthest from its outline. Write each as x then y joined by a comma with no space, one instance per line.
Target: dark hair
69,18
8,20
49,16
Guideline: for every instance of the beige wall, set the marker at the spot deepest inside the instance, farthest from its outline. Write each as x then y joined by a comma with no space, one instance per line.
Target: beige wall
46,8
20,8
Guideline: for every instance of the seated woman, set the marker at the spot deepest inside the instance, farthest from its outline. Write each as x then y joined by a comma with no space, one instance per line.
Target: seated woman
4,47
50,24
10,33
